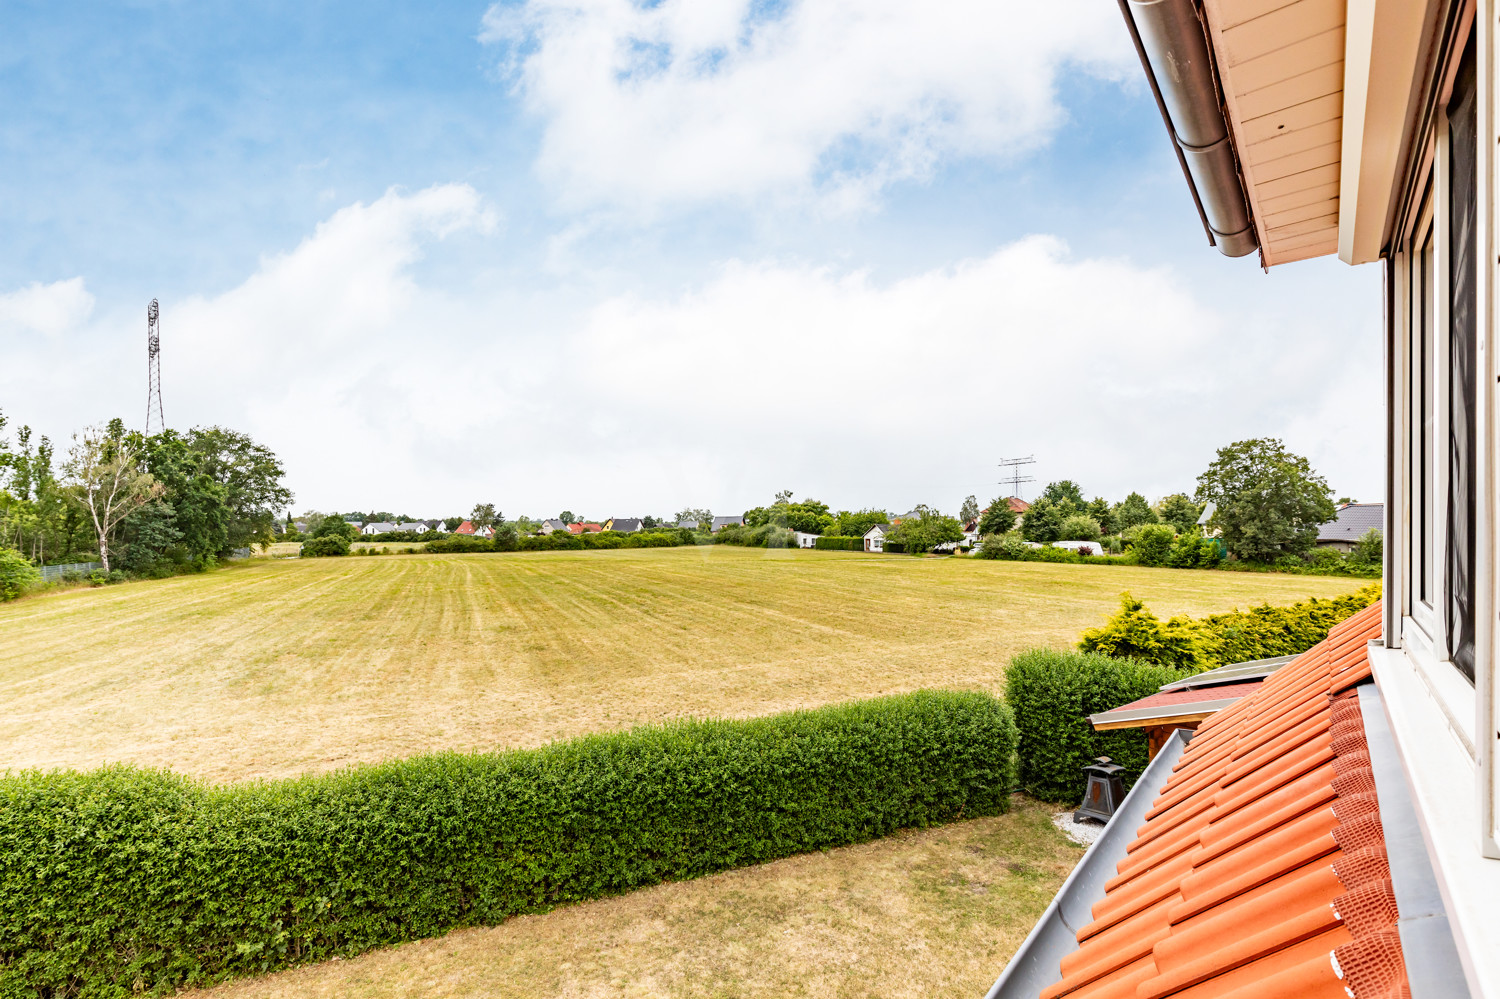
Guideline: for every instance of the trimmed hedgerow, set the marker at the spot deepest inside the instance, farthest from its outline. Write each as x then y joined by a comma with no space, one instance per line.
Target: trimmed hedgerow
1052,694
833,542
123,880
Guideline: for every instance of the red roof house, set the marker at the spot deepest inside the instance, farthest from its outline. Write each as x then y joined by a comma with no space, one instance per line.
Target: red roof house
467,527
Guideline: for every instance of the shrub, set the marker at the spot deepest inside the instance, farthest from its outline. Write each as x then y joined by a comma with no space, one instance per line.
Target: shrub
833,543
17,574
1193,551
1052,694
1369,550
326,546
1153,544
1080,527
1220,639
1003,546
122,879
1137,633
1085,550
457,543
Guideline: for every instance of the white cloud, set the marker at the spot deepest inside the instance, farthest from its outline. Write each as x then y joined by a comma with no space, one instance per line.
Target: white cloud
383,380
688,100
50,309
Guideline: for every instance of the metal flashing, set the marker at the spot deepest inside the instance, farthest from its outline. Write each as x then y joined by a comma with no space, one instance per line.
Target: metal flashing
1232,673
1190,710
1037,963
1432,963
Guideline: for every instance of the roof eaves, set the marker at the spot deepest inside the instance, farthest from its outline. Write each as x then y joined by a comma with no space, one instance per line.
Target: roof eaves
1038,963
1432,963
1159,714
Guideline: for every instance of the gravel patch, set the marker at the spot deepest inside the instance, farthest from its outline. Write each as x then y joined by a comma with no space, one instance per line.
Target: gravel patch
1081,832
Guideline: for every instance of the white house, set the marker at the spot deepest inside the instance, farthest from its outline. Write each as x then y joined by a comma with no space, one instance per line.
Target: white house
875,537
415,527
484,532
805,540
378,527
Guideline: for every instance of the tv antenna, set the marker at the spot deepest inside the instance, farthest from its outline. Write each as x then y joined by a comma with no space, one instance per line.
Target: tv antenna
153,366
1014,476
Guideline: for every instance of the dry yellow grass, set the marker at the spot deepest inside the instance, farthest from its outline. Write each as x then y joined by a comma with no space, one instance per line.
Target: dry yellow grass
934,912
276,667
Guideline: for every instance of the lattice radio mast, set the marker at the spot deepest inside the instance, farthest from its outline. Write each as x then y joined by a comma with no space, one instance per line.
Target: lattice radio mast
1015,478
153,366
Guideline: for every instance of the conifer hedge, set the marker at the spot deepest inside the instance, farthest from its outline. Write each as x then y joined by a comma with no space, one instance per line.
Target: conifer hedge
123,880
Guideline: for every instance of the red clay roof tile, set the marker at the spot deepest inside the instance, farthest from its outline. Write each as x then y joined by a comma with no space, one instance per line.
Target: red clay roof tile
1260,870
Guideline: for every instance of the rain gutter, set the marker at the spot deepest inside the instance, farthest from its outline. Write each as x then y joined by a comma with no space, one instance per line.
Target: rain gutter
1038,963
1170,40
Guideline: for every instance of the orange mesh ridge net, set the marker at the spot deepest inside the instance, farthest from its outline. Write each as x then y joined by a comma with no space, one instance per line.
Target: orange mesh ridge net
1260,871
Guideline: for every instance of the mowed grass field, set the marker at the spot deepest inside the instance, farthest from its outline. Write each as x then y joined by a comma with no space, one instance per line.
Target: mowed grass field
278,667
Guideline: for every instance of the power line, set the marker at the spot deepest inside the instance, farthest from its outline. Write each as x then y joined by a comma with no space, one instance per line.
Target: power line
1015,478
153,366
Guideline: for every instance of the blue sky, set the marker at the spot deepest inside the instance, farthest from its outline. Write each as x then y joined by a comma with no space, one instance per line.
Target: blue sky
624,258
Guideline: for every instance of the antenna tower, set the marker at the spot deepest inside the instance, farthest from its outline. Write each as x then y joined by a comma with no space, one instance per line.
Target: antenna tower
153,366
1014,476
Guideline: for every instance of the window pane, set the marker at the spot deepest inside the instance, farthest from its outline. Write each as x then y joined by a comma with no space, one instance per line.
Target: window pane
1422,324
1462,187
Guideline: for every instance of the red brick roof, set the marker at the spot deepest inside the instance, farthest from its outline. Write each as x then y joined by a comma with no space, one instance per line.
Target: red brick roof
1260,872
1192,695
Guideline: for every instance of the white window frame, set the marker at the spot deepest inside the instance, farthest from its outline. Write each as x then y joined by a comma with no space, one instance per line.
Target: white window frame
1449,725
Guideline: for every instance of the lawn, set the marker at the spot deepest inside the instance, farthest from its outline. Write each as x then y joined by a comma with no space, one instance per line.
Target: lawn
935,911
276,667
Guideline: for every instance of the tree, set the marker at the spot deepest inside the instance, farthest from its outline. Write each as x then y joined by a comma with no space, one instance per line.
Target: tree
855,524
1180,511
250,475
1103,516
809,516
108,481
1043,521
969,511
1065,489
334,526
1268,502
997,518
567,517
1134,510
926,531
698,518
17,574
1369,549
484,515
451,523
1079,527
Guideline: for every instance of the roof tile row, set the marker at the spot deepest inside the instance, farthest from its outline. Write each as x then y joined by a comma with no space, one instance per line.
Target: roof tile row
1260,869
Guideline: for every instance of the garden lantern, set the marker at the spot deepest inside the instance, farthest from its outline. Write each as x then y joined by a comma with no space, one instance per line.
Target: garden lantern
1105,791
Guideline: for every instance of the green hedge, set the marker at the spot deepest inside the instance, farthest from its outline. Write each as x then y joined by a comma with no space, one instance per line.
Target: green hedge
327,546
563,541
832,542
123,879
1052,694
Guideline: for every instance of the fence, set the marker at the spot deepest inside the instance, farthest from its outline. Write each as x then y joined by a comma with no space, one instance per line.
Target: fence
51,572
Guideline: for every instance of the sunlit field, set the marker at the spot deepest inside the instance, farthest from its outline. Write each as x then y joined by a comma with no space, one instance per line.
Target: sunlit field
276,667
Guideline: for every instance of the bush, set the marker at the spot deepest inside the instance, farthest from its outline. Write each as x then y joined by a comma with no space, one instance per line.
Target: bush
1080,527
458,543
1193,551
1137,633
1220,639
325,546
17,574
123,879
1003,546
833,543
1369,550
1153,544
1052,694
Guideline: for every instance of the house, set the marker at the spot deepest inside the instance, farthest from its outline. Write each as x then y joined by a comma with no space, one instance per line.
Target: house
585,528
805,540
625,525
377,527
413,527
1018,506
722,522
875,537
1335,832
484,532
435,525
548,526
1353,520
467,527
687,525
